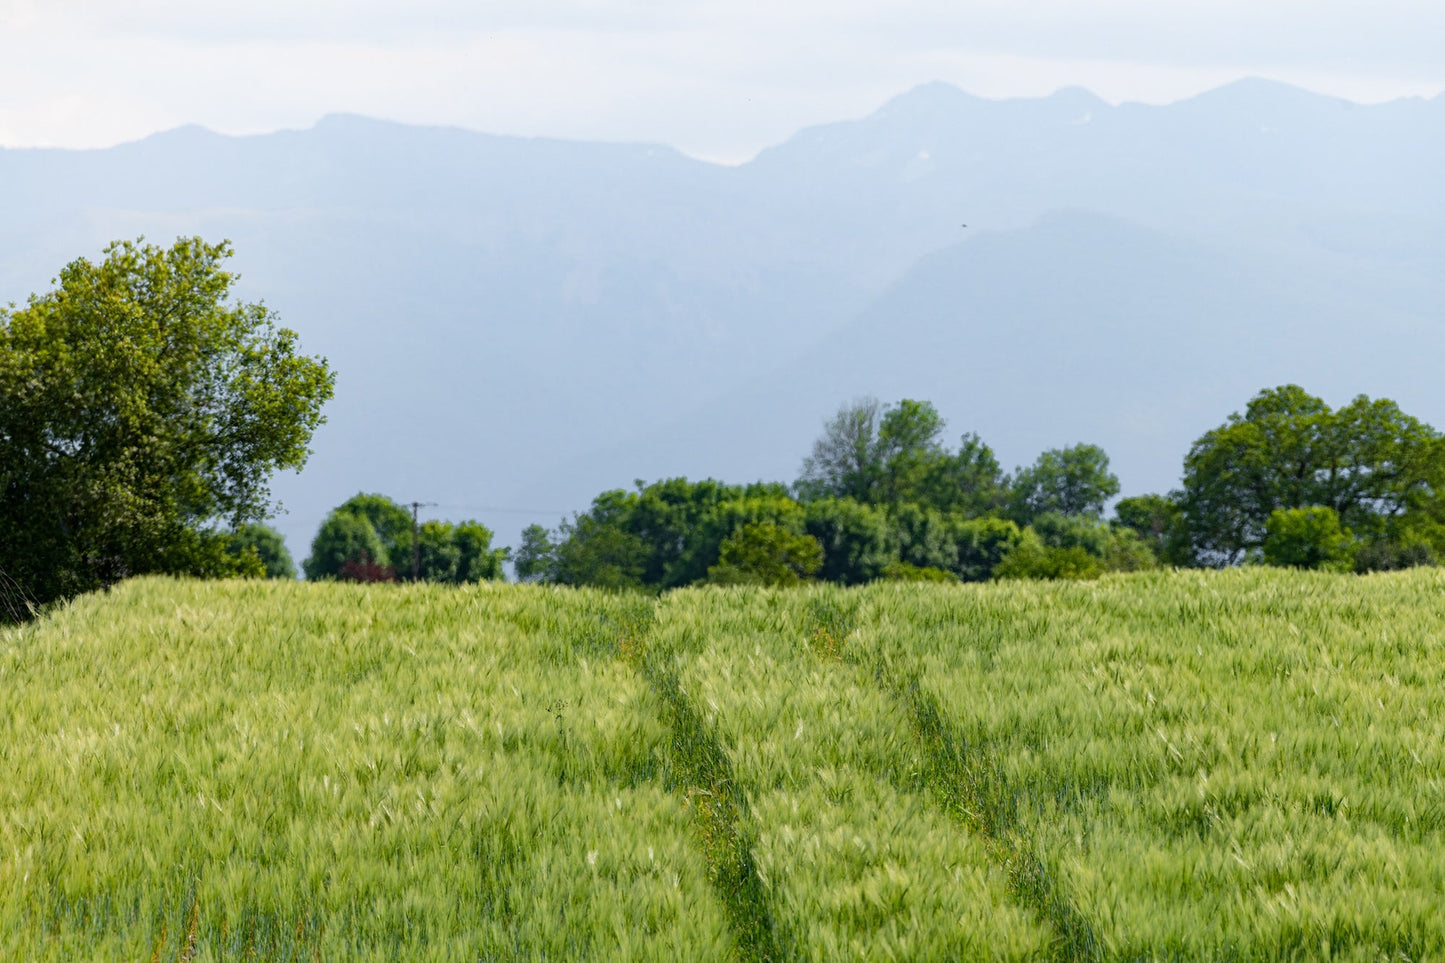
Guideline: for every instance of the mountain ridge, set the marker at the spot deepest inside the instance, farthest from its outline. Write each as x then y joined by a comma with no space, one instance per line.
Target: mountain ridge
532,315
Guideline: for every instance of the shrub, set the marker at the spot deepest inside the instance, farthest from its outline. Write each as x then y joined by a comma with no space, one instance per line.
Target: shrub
981,543
1309,538
762,553
1031,558
1388,555
904,572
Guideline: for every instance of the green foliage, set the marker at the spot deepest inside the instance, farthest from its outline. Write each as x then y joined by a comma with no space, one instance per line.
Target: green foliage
761,553
1158,521
770,507
923,536
968,482
889,456
268,547
1065,481
598,548
536,559
1073,531
140,405
1059,546
449,553
344,537
908,449
856,540
1389,555
391,522
904,572
1307,538
662,535
675,519
980,544
1032,558
846,461
477,561
368,537
1375,467
1127,552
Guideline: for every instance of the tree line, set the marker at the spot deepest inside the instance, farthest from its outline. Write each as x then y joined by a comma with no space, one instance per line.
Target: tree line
1287,482
143,410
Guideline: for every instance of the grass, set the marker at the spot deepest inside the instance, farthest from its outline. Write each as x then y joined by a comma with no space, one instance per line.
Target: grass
1245,765
269,771
1239,765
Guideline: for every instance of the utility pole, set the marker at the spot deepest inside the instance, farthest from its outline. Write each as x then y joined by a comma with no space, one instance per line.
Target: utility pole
416,540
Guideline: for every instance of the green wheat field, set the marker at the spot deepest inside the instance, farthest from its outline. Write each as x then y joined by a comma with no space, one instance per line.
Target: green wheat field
1242,765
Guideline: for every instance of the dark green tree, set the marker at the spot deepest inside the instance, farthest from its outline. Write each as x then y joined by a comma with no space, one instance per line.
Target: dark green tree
599,548
679,522
909,452
1158,521
392,523
980,544
141,407
1381,471
447,553
536,558
1066,481
477,561
345,542
888,456
1032,559
379,546
857,539
267,545
924,537
968,482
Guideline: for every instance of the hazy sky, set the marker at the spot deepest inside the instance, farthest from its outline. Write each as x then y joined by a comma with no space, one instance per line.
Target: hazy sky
716,78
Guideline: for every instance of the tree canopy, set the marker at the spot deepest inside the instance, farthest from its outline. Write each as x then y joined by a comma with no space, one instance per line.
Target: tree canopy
141,406
879,455
1381,471
369,538
1064,481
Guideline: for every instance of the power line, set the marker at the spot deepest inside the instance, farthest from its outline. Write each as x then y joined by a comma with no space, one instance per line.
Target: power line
506,511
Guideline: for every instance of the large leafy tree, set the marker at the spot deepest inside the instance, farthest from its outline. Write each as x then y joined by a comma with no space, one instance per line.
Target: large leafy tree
367,530
878,455
847,459
1064,481
1380,470
141,406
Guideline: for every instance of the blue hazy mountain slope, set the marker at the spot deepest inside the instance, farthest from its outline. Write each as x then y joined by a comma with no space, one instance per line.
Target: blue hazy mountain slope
1080,328
520,323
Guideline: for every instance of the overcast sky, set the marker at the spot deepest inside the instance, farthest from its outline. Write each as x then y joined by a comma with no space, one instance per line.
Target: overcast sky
716,78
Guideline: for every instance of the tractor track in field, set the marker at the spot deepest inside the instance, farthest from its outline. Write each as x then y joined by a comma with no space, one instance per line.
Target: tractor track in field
967,785
703,774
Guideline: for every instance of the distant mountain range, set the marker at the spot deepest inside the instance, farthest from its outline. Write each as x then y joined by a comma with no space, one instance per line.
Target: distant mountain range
518,324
